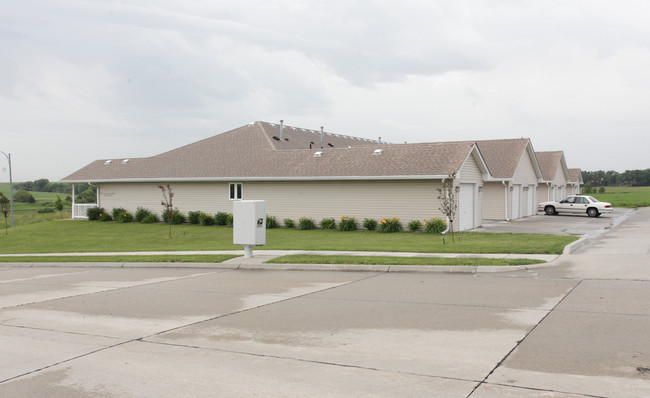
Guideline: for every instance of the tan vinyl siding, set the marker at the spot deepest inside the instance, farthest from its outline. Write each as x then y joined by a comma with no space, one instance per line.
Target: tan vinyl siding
543,192
525,172
470,172
408,200
493,201
208,196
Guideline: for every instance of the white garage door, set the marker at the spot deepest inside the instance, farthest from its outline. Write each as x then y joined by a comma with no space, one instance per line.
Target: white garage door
515,201
466,207
531,203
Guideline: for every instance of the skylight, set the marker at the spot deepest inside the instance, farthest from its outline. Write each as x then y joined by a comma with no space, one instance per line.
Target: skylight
318,154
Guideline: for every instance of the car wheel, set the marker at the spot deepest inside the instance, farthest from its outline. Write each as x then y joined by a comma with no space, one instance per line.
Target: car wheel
592,212
549,210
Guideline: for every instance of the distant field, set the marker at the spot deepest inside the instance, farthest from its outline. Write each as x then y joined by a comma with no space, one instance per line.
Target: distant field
630,197
27,213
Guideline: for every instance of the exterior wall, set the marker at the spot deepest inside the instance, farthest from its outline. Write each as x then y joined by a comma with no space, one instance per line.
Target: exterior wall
560,183
406,199
494,201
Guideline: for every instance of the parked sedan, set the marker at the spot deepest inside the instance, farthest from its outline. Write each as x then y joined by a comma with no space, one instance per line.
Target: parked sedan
576,204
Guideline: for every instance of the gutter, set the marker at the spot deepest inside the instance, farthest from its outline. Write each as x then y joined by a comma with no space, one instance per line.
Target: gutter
236,178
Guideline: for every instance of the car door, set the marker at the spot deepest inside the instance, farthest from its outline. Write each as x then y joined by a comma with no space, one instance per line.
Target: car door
565,205
580,205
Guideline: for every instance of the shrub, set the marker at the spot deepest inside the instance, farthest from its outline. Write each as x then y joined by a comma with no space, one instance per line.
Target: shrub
177,217
271,222
288,223
194,217
388,225
206,219
141,213
230,220
414,225
23,196
94,212
434,225
348,224
369,224
150,218
104,217
306,223
42,211
221,218
121,215
327,223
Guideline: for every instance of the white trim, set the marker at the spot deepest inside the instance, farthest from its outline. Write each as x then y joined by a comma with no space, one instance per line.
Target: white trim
229,179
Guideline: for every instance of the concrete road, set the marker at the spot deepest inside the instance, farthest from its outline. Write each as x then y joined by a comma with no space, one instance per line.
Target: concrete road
575,328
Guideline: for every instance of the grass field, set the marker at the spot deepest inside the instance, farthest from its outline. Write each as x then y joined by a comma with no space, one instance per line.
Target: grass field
27,213
390,260
629,197
94,236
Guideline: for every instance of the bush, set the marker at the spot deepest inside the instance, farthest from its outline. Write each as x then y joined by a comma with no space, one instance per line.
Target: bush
121,215
389,225
230,220
94,212
414,225
194,217
369,224
150,218
23,196
434,225
177,217
206,219
348,224
104,217
221,218
141,213
306,223
271,222
288,223
43,211
327,223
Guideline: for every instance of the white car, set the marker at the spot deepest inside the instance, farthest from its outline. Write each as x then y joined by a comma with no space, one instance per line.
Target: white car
576,204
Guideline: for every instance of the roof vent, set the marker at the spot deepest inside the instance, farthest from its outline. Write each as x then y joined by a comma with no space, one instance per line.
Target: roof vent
330,144
378,152
125,161
275,137
318,154
106,163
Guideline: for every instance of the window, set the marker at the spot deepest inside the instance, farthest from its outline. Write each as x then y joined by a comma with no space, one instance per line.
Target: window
236,191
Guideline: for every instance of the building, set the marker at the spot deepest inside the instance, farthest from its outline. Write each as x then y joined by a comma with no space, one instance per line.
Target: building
300,173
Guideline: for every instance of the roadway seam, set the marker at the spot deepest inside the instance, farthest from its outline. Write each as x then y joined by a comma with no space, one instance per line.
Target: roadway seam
484,381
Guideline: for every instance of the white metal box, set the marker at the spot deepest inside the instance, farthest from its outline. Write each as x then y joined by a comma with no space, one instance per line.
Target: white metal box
249,222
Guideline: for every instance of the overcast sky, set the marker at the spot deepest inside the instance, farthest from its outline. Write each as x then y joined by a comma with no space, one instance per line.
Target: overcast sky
95,79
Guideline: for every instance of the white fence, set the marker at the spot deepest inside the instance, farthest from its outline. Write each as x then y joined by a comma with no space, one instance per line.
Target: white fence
79,210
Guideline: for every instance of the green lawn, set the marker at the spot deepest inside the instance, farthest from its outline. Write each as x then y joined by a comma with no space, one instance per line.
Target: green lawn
390,260
93,236
629,197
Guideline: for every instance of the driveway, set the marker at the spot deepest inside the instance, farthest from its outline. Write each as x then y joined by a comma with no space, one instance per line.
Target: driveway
576,328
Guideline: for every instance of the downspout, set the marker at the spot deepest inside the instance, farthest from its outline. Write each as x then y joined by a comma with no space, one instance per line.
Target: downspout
505,190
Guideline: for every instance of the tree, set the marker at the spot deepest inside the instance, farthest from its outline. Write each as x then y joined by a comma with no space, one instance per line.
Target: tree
168,207
58,204
4,208
39,185
447,198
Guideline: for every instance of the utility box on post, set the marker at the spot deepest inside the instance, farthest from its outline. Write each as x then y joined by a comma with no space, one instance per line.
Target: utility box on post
249,224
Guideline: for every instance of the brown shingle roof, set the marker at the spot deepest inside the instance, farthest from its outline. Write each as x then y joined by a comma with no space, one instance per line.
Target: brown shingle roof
575,175
502,156
548,163
250,152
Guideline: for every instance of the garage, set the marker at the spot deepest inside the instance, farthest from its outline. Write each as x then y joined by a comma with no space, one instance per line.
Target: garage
515,201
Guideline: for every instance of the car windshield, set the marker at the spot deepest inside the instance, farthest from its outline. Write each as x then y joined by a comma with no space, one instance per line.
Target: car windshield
592,199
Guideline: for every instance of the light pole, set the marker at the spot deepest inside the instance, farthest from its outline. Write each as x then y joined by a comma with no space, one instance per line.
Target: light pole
11,188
